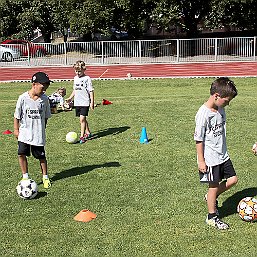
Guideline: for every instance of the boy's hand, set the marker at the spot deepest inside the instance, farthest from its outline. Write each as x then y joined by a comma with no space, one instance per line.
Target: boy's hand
202,167
16,133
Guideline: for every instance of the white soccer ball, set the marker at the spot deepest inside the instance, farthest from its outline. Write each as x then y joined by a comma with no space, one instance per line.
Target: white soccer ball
72,137
247,209
27,189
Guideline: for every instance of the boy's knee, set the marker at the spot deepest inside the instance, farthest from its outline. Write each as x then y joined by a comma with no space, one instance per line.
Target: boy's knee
233,180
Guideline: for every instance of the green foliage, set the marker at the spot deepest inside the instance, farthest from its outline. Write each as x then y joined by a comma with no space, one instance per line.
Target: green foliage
91,15
147,198
20,18
238,13
186,14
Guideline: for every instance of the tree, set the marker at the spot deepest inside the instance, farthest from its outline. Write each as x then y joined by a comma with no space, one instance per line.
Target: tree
62,14
186,14
91,15
36,14
134,15
9,10
238,13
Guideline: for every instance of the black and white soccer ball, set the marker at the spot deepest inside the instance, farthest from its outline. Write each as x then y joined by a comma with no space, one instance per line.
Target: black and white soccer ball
27,189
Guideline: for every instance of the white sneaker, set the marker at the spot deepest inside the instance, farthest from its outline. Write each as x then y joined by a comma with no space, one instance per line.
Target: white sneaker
217,223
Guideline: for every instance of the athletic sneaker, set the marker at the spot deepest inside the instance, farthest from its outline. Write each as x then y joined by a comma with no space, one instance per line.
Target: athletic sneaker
46,182
82,140
216,222
216,204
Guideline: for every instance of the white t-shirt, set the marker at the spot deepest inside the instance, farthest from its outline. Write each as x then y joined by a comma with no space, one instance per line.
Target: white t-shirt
82,87
56,98
32,115
211,130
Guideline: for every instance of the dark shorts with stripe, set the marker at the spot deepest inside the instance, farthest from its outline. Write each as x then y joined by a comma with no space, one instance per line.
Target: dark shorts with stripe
217,173
37,151
81,110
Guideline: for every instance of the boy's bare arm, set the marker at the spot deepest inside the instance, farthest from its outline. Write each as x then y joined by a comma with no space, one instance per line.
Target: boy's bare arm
92,100
200,156
71,96
16,125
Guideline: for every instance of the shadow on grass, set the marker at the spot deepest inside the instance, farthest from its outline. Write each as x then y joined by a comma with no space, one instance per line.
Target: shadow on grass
40,195
82,170
109,131
229,206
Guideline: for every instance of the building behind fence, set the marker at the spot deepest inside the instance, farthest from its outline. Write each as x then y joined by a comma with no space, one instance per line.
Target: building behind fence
135,52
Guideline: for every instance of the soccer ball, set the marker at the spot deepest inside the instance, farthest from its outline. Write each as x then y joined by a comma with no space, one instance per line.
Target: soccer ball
247,209
72,137
27,189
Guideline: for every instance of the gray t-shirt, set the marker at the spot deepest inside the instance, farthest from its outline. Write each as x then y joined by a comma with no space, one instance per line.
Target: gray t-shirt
211,130
32,115
82,87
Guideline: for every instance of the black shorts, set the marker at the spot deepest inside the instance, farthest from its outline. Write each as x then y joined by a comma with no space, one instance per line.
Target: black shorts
217,173
37,151
81,110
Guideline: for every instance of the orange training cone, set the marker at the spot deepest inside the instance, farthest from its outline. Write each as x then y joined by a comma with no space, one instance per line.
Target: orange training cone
85,216
7,132
106,102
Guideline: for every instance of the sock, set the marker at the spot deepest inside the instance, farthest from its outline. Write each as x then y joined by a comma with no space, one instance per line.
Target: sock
25,176
45,176
211,215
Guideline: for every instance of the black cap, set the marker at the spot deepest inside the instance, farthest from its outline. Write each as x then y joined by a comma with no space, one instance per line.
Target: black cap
41,78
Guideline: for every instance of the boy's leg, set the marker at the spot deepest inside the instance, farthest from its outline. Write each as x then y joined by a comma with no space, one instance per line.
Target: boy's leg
23,152
82,120
87,128
212,218
85,131
227,184
230,175
43,166
83,123
39,153
211,197
23,162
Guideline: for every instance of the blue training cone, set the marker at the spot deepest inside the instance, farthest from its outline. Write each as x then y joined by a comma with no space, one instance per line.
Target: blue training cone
144,138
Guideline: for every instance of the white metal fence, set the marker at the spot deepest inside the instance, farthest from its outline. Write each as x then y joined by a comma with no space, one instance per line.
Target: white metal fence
130,52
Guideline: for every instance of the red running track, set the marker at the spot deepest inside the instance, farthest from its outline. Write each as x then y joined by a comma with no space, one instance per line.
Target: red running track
182,70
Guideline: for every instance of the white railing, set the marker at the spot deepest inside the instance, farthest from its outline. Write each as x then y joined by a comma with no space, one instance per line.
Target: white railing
130,52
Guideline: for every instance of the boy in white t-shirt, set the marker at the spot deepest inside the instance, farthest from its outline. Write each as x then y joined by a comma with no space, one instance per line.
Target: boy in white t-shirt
57,99
83,93
214,164
30,119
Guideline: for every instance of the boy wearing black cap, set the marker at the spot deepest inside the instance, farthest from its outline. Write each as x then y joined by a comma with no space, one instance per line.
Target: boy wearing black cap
30,118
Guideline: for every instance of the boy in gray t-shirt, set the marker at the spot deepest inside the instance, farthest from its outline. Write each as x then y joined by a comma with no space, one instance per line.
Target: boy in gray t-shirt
30,118
214,164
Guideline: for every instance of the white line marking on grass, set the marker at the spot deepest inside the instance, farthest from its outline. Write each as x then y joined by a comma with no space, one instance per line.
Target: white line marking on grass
104,73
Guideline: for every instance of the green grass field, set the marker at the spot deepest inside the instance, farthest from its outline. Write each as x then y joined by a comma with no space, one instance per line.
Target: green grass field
147,197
